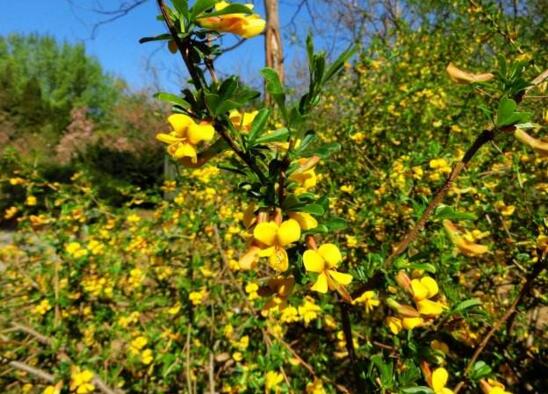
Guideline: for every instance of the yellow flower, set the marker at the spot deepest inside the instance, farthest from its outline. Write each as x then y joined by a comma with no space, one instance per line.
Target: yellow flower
251,289
289,315
31,201
439,380
75,250
316,387
306,221
237,356
81,381
347,188
423,288
505,210
274,238
358,137
463,245
197,297
305,176
410,323
53,389
146,356
42,308
16,181
369,299
242,120
137,344
272,380
309,310
10,212
394,324
491,386
184,137
245,25
324,261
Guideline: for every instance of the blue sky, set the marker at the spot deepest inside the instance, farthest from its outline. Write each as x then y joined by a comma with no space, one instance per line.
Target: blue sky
116,44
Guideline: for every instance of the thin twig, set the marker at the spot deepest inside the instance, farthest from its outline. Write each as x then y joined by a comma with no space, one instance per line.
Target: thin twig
537,270
39,373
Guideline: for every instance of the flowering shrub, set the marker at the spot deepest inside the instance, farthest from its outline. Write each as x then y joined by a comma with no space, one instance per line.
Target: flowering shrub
279,266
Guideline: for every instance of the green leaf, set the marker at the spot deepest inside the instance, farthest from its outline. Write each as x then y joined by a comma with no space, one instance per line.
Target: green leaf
173,99
231,9
275,136
466,304
313,209
447,212
258,126
335,224
338,64
417,390
480,370
161,37
201,6
182,7
507,114
274,87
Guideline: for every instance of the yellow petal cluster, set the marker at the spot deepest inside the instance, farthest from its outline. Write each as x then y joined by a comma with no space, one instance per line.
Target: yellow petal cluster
463,245
273,238
324,261
244,25
186,134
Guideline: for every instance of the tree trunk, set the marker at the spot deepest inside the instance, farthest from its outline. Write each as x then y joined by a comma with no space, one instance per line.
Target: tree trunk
273,41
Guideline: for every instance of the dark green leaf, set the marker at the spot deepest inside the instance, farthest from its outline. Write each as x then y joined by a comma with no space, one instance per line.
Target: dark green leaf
466,304
172,99
258,126
480,370
201,6
447,212
417,390
231,9
507,114
313,209
275,136
161,37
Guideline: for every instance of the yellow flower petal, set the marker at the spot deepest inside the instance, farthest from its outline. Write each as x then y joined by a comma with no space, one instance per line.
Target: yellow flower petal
180,122
278,260
430,308
305,220
266,233
411,322
420,292
394,324
289,232
431,285
185,150
339,277
439,379
331,254
313,262
252,27
167,138
321,284
200,132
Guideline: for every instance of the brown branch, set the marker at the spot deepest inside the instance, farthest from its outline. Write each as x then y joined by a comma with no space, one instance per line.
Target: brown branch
485,137
537,270
182,45
39,373
62,356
